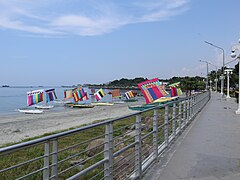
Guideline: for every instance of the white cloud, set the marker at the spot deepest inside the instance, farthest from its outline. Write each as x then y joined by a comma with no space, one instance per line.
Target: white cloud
74,21
19,25
197,70
162,10
76,17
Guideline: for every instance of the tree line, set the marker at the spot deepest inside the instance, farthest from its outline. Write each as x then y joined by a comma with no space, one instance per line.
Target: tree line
187,83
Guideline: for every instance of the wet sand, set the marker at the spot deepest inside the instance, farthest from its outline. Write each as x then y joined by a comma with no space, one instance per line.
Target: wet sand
15,128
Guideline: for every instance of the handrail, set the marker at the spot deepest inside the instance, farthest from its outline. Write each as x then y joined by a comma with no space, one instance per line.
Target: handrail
143,142
66,133
61,134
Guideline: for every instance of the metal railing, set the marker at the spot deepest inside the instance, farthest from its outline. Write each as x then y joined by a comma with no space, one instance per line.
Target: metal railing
121,148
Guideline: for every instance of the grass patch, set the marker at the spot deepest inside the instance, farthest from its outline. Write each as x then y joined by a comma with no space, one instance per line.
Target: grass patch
78,152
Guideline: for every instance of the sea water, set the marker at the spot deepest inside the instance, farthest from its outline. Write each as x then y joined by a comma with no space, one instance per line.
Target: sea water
13,98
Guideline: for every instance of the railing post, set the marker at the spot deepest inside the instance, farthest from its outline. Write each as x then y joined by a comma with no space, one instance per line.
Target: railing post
201,102
191,108
46,171
184,113
55,160
166,125
174,120
198,102
155,133
188,111
180,116
108,152
138,148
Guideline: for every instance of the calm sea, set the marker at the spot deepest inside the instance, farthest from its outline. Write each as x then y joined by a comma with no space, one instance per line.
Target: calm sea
13,98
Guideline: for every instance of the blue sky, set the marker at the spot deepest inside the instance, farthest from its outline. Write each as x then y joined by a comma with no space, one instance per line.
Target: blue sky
65,42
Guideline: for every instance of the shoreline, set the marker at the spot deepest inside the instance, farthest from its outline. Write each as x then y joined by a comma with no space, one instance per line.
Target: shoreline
15,128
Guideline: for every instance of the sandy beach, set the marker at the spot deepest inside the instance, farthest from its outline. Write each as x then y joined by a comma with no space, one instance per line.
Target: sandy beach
18,127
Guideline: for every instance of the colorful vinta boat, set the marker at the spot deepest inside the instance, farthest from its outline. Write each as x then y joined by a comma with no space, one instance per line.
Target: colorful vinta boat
155,94
33,97
50,95
99,94
78,95
130,96
116,96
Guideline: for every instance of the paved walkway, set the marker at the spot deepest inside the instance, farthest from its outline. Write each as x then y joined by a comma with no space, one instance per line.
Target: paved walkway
209,149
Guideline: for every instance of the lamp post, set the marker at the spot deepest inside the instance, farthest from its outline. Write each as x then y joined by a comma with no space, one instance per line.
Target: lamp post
223,52
222,80
228,71
236,54
207,72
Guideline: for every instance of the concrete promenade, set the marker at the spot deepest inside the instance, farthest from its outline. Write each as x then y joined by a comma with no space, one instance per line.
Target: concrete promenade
209,149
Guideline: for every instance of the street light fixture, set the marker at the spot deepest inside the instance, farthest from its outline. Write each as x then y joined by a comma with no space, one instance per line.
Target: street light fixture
223,52
207,72
236,54
218,48
228,71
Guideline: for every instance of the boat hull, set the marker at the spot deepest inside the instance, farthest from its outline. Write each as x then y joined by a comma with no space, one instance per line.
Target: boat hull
118,102
155,103
44,106
165,99
72,105
30,111
142,107
130,100
102,104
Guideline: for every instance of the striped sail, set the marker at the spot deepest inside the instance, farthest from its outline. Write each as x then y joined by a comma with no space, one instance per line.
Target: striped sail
175,89
50,95
68,93
99,94
129,94
152,90
34,97
79,94
116,93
